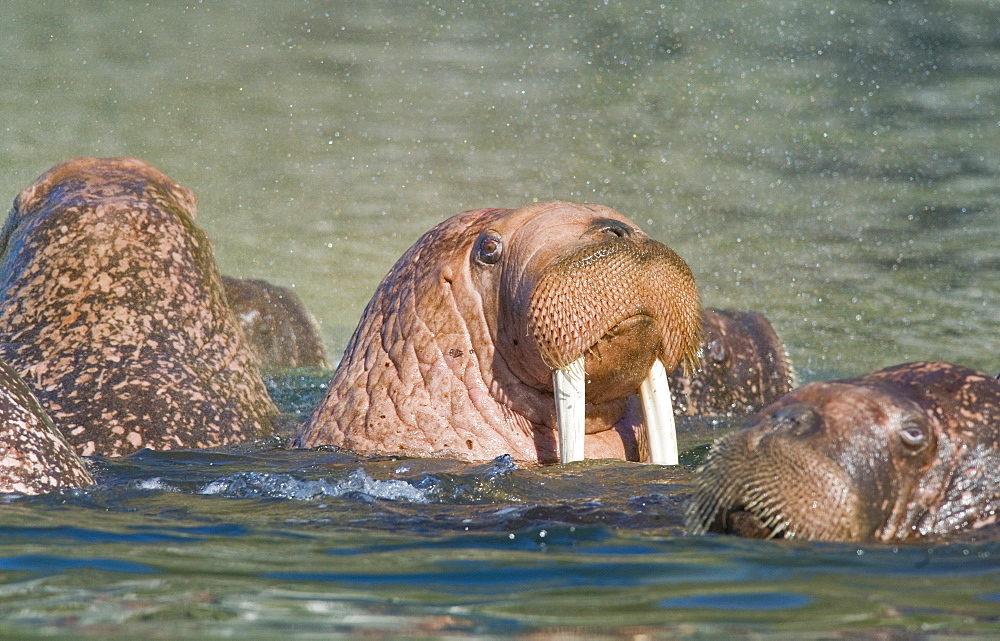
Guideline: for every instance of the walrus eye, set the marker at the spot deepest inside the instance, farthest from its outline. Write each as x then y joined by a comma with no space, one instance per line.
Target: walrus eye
913,436
489,247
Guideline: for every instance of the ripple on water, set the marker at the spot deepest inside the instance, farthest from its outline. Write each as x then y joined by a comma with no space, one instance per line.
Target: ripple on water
756,601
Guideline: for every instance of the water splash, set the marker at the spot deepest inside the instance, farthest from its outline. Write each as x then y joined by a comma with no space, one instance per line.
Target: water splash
285,486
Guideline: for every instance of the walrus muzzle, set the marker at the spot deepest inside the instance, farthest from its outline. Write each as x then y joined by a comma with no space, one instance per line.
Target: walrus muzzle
792,472
744,489
610,319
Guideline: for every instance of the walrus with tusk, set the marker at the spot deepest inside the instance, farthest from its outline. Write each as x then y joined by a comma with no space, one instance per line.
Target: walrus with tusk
544,332
902,454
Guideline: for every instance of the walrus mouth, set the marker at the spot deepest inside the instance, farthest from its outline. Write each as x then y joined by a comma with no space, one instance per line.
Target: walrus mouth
624,301
569,384
754,521
750,526
769,480
739,489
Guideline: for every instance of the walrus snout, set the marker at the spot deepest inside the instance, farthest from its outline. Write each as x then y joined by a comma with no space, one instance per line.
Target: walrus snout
583,297
772,480
899,454
609,319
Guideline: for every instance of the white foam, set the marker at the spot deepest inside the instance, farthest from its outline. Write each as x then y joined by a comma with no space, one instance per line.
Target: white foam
266,485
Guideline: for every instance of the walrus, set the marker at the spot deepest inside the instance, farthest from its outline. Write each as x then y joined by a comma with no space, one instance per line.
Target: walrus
466,340
908,452
34,456
277,325
113,311
742,367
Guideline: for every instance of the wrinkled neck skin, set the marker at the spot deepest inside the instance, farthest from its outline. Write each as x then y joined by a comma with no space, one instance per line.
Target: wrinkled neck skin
973,491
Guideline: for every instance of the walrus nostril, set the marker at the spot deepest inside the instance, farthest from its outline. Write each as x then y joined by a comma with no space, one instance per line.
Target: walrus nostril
796,419
611,227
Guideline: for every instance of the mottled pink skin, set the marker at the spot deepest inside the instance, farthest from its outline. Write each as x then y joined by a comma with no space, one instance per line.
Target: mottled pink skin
34,456
905,453
445,361
113,311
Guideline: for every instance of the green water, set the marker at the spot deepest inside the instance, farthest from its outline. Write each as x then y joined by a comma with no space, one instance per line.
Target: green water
193,545
829,164
832,165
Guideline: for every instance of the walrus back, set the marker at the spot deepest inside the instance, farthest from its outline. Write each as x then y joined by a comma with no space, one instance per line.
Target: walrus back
34,456
276,324
112,308
743,366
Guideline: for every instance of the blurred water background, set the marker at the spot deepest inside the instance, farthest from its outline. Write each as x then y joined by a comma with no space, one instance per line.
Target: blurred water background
830,164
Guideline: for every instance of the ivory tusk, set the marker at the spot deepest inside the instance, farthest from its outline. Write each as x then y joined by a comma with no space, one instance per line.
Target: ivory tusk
570,384
658,408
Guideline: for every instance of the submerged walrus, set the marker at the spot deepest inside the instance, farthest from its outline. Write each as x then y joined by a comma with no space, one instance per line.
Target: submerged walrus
742,367
113,311
464,341
277,325
907,452
34,456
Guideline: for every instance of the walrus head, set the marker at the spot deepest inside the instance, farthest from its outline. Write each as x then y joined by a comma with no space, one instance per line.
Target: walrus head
743,367
589,284
87,180
525,296
885,457
583,289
